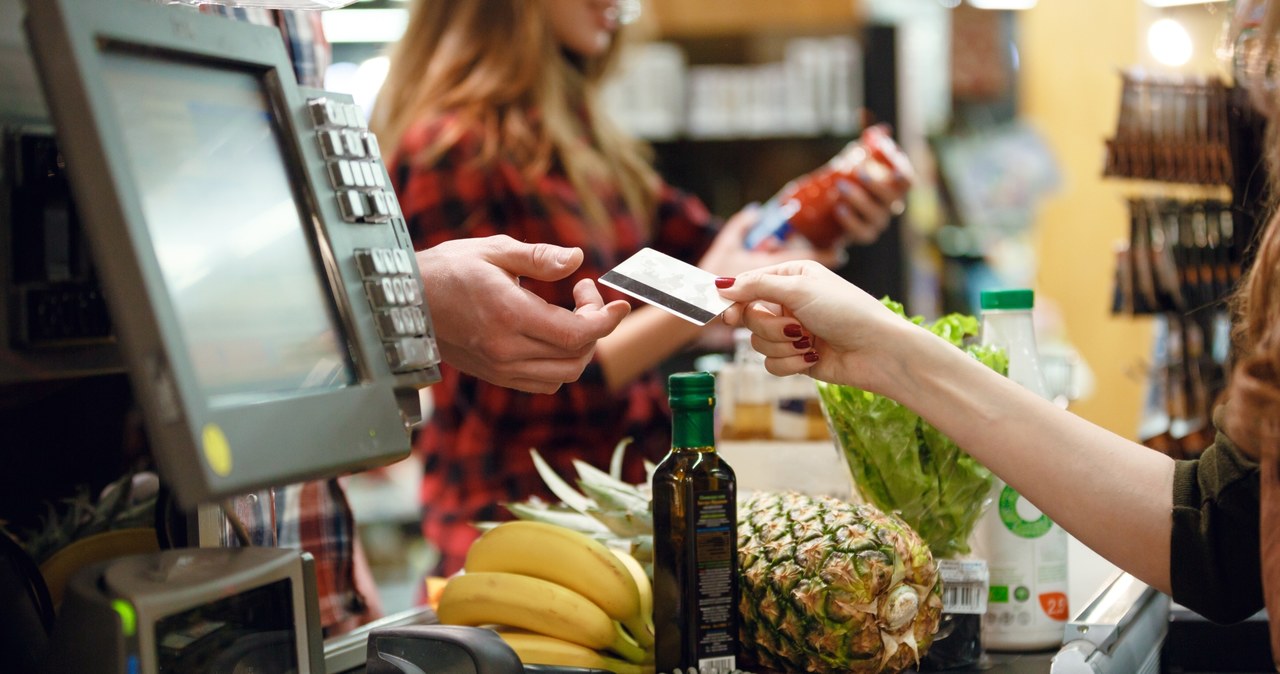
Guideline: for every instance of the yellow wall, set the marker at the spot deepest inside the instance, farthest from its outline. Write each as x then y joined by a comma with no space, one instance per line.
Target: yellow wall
1071,54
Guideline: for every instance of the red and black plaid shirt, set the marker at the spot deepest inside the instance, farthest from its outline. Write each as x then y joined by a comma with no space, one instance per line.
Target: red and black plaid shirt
476,445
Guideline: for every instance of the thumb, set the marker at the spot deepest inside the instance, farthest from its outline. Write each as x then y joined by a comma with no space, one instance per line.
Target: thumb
541,261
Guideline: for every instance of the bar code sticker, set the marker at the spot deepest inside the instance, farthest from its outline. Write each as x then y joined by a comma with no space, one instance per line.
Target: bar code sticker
717,665
964,586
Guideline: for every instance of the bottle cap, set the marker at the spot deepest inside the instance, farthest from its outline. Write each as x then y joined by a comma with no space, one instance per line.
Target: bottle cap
692,390
1022,298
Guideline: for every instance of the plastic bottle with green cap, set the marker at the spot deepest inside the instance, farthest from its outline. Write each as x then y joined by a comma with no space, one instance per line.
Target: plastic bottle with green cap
695,538
1026,552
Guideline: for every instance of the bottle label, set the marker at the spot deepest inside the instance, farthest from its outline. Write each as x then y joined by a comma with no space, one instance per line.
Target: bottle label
964,585
1020,517
715,539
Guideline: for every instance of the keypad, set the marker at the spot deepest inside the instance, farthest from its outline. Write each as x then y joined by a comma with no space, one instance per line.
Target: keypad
388,272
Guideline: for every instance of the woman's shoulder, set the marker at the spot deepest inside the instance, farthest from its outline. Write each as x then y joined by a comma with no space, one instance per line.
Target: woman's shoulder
442,138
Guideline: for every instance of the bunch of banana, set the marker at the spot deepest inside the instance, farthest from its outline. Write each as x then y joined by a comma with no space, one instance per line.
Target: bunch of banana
534,648
559,585
602,505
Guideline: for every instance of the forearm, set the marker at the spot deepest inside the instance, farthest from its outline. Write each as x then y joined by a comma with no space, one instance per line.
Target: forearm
643,341
1112,494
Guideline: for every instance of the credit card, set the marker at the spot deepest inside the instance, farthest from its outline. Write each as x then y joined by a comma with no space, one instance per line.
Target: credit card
669,284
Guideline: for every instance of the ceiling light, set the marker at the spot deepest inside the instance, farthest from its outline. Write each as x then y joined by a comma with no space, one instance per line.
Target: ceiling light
1002,4
376,26
1169,42
1179,3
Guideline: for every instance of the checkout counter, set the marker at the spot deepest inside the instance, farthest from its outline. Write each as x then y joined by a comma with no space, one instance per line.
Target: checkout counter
265,306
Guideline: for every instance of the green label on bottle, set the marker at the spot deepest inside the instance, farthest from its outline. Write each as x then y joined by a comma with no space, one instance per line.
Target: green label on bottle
1014,522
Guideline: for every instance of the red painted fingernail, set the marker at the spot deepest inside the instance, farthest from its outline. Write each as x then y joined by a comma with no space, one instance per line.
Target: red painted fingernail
811,357
793,330
802,343
724,281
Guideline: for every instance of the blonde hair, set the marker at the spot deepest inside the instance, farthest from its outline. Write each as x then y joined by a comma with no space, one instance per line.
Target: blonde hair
1254,387
495,67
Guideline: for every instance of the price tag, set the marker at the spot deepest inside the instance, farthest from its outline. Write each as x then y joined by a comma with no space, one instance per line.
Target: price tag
964,586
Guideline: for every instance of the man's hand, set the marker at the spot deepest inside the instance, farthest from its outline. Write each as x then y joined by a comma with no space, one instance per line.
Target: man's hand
490,327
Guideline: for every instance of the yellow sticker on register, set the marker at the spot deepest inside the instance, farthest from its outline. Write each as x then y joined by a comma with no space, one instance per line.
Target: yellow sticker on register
217,451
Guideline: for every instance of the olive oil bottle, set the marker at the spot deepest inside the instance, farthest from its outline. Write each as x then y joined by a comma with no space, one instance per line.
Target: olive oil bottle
695,539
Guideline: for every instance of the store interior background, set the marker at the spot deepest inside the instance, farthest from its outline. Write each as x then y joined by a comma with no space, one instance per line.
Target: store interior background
1058,74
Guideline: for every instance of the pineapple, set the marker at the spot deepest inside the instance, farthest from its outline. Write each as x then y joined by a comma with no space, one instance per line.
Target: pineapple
832,587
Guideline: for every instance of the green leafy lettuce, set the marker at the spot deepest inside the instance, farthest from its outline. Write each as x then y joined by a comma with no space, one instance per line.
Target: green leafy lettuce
900,463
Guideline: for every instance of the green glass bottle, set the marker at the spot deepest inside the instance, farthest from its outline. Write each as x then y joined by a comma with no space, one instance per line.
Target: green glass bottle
695,539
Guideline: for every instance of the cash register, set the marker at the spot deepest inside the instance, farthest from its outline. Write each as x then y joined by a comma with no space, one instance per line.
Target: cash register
176,211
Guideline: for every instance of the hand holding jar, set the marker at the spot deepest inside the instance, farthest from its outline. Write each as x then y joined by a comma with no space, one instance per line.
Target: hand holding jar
852,196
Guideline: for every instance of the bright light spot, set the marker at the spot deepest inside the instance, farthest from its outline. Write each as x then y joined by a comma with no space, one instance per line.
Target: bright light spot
361,82
373,26
1169,42
1002,4
369,78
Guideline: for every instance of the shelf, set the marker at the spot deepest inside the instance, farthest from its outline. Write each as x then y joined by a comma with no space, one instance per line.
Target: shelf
705,18
808,466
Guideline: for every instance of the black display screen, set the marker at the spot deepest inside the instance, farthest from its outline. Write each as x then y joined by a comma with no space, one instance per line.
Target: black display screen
252,631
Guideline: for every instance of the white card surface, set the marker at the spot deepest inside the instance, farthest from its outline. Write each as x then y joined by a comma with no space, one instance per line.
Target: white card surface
670,284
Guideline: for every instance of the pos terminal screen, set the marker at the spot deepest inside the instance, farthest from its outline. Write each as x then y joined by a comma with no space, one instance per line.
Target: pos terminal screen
221,211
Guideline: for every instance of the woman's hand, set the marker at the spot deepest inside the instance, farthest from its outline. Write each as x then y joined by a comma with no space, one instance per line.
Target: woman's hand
866,206
729,256
805,318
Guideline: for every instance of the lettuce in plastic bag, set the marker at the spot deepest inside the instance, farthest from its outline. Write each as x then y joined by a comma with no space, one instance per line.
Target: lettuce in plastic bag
900,463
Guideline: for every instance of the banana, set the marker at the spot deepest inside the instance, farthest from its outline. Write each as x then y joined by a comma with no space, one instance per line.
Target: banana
564,557
534,604
645,586
540,649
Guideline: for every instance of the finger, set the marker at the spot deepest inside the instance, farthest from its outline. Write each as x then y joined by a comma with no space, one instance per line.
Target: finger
777,284
733,315
565,332
864,203
545,376
771,349
886,190
856,229
541,261
533,386
589,303
768,326
742,221
586,296
788,365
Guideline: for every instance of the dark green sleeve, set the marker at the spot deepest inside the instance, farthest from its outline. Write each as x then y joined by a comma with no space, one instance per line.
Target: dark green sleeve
1214,565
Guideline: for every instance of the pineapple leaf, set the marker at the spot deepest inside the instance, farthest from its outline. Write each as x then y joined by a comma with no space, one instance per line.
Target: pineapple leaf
563,490
561,518
624,523
642,548
633,496
615,461
611,497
